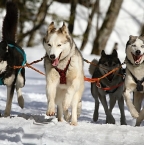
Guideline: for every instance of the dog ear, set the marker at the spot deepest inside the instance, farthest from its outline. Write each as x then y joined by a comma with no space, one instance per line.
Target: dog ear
142,37
132,37
131,40
51,27
114,53
103,53
64,29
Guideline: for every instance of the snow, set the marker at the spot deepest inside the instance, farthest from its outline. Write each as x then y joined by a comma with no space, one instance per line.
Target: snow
30,126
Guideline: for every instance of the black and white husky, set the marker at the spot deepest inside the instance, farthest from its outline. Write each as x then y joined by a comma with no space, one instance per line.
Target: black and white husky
11,55
134,80
111,85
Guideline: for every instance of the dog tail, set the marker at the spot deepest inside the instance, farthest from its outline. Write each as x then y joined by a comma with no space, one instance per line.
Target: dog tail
92,66
10,22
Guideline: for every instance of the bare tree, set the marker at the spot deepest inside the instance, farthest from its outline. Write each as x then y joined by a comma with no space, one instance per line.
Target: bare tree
107,27
38,22
86,3
142,30
86,33
72,15
38,18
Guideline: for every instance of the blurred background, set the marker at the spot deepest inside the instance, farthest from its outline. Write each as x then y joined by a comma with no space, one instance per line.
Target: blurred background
94,24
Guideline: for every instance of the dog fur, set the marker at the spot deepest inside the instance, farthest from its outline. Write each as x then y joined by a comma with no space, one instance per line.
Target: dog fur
10,57
61,51
105,64
134,69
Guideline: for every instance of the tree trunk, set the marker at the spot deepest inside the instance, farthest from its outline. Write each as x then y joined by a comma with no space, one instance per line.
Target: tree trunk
72,15
38,22
40,15
86,33
107,27
142,30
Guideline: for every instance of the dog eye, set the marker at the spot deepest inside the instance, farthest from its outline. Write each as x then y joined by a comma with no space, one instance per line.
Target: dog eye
49,44
142,46
59,45
133,45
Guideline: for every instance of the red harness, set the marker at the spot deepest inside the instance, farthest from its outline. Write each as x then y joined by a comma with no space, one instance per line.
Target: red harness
109,88
62,73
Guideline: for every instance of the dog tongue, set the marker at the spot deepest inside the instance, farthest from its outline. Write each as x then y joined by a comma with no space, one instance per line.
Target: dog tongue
55,62
138,58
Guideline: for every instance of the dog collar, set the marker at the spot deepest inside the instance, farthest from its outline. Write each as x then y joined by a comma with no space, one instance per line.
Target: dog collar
20,51
62,73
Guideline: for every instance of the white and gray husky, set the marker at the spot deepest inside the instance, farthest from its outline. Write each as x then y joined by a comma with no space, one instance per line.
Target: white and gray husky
64,74
134,80
111,85
11,55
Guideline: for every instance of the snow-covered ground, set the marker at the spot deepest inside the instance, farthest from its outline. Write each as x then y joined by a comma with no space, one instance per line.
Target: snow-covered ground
30,126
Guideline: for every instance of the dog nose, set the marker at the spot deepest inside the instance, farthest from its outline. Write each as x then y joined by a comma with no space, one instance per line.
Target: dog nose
52,56
138,52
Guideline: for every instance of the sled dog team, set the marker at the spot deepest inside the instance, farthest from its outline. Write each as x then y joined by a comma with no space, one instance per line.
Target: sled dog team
65,76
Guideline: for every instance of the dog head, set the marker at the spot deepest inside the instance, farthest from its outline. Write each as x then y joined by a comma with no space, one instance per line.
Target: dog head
57,43
135,49
3,56
109,62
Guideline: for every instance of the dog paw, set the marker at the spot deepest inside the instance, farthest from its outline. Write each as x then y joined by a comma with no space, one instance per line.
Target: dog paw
21,102
50,113
74,123
134,113
123,122
110,119
60,120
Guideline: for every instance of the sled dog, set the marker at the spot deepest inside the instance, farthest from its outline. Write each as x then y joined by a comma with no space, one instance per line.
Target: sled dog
64,74
111,85
134,80
11,55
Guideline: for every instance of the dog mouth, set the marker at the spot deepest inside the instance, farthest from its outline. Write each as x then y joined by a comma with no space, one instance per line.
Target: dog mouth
55,62
137,58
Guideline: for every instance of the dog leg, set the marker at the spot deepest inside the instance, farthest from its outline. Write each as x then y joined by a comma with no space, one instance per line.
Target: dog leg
51,94
96,114
137,100
76,105
10,92
140,118
67,115
109,118
19,85
74,113
131,107
121,107
79,107
95,96
60,112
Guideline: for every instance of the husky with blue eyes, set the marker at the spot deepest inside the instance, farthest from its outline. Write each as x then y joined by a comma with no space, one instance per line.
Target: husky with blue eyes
134,81
64,74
